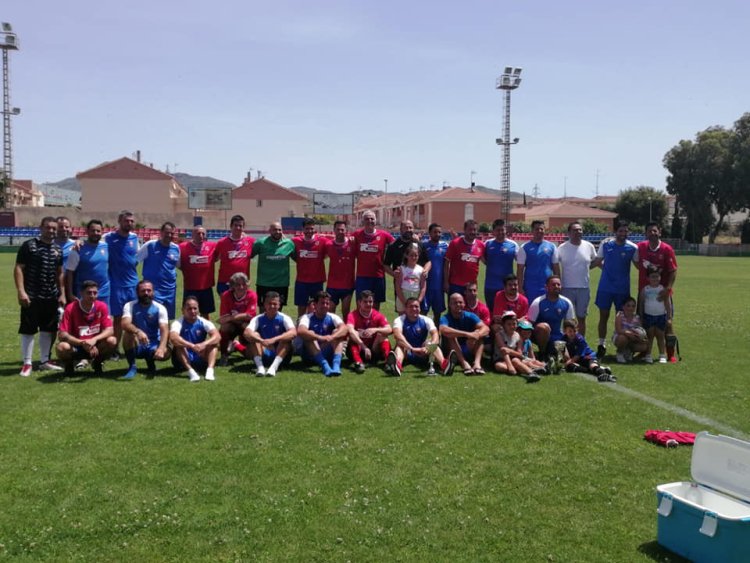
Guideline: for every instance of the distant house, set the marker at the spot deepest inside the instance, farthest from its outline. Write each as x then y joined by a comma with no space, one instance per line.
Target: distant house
128,184
24,193
262,201
560,213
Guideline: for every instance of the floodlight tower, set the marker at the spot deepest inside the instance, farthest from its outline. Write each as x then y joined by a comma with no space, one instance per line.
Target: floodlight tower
8,42
508,81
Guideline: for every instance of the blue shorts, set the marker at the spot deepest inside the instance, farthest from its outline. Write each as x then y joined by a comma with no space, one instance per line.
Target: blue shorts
269,355
118,297
168,300
326,350
303,291
658,321
605,299
195,359
434,298
221,288
145,351
376,285
205,297
489,297
337,295
410,358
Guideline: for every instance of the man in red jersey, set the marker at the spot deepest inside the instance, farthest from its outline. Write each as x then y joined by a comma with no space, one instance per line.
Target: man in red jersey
474,305
462,260
86,330
233,253
197,265
238,307
341,253
510,299
368,332
371,245
309,254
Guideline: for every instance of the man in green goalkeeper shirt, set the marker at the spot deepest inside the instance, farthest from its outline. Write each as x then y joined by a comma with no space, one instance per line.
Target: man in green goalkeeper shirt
274,252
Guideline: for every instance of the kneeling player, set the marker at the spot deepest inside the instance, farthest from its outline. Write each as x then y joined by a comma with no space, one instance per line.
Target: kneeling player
238,305
368,332
270,337
417,342
195,342
323,335
145,327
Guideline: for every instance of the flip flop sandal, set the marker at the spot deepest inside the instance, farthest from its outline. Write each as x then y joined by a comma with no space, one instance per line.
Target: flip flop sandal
478,371
469,371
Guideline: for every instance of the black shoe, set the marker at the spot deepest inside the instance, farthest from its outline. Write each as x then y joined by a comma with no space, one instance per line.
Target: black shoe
150,366
392,362
358,367
601,351
532,378
96,365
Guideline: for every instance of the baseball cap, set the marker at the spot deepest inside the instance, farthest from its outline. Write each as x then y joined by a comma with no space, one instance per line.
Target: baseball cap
523,324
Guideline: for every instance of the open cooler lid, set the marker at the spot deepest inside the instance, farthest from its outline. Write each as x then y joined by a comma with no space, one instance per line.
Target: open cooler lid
722,463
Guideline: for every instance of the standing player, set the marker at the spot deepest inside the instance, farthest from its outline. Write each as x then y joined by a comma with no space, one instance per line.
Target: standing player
537,261
160,259
194,342
371,244
368,332
309,254
63,238
417,342
238,306
462,260
233,252
323,336
89,262
577,258
615,256
341,252
122,245
499,256
274,253
434,297
197,265
270,336
39,282
86,330
145,325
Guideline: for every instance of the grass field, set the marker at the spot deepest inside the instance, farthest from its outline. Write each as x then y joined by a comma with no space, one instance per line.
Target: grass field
363,468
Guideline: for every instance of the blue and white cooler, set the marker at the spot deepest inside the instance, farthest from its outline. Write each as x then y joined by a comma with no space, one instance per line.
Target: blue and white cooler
708,519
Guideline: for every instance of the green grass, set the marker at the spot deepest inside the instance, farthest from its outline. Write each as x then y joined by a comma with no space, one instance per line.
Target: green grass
303,468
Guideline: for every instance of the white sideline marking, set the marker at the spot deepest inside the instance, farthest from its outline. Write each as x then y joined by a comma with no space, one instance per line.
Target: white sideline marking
728,430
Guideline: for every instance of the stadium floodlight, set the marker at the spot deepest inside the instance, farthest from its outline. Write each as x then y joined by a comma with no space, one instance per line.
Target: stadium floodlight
508,81
8,42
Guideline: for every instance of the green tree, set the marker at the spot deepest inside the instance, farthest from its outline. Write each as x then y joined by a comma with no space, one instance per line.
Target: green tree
591,227
641,204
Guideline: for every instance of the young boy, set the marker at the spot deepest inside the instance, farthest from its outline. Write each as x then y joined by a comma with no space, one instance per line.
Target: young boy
525,329
509,356
655,315
580,357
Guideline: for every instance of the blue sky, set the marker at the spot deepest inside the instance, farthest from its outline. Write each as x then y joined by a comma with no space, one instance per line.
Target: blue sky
341,95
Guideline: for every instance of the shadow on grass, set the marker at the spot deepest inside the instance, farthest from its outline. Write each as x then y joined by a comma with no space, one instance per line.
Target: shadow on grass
115,375
656,552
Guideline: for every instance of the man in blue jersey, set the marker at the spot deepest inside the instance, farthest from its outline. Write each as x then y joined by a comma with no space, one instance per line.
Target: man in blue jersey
323,336
195,342
270,336
123,267
547,312
464,333
145,326
537,261
89,262
417,342
435,248
161,258
615,255
62,239
499,256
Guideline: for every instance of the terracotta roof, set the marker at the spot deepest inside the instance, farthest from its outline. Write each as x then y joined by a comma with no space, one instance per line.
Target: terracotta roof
123,169
564,209
266,189
462,194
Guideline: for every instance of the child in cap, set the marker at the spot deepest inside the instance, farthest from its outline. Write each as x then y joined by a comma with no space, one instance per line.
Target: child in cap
579,357
509,356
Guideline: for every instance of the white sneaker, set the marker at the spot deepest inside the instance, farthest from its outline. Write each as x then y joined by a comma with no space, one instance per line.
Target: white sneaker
210,375
193,375
662,359
49,365
621,359
261,371
83,364
270,372
25,370
648,359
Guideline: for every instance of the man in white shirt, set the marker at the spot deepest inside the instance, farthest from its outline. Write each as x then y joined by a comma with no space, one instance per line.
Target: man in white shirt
576,257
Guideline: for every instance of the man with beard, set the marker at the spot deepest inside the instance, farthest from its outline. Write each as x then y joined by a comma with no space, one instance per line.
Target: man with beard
145,325
62,239
547,312
537,261
462,260
394,255
274,253
160,259
89,262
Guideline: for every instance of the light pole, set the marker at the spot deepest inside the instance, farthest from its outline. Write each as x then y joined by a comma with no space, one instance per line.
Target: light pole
509,80
8,42
649,209
385,208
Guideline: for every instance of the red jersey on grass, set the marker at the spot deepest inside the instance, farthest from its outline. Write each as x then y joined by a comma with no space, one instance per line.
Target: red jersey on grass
197,265
464,258
519,306
661,257
341,263
84,325
234,256
360,323
230,305
310,254
370,252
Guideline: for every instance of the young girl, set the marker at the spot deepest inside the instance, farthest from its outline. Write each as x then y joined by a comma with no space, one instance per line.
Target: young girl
655,315
629,336
509,356
411,282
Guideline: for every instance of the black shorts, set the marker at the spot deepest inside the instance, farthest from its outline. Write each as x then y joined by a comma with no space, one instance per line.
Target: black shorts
282,291
205,297
41,315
